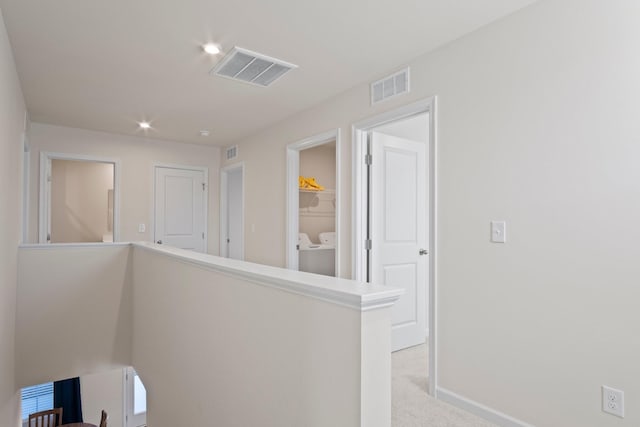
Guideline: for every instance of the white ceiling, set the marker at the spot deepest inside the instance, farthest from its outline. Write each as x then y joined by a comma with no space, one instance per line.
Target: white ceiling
106,64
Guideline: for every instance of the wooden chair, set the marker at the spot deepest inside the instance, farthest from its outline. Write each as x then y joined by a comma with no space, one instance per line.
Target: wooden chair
103,419
50,418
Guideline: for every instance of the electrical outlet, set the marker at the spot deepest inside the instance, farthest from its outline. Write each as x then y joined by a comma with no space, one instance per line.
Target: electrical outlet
141,228
613,401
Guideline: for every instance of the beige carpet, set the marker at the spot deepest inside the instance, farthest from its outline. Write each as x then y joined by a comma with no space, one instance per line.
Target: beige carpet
411,405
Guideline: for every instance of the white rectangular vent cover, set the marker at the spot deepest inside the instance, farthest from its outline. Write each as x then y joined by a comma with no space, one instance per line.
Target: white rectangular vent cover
232,152
250,67
393,85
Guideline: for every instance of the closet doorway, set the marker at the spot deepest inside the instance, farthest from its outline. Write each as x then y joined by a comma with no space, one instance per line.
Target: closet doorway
313,208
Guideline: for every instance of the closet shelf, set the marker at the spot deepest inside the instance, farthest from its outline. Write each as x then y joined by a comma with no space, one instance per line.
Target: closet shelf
326,190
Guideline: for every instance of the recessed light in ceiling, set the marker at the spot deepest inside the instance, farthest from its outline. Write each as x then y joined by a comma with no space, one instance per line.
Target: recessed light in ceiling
144,125
211,49
204,133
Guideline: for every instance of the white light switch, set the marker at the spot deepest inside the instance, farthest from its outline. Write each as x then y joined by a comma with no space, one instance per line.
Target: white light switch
498,231
141,228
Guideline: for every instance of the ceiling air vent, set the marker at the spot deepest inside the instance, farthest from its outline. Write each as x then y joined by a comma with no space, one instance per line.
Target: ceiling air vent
393,85
232,152
250,67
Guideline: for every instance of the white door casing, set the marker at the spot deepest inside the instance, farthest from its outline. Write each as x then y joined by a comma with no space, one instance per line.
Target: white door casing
398,231
180,208
293,192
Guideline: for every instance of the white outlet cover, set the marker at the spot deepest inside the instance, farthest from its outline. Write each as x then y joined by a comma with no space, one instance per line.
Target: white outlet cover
613,401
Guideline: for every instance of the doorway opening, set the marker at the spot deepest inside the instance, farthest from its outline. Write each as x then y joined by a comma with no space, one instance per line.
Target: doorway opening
394,219
78,199
313,208
232,211
135,397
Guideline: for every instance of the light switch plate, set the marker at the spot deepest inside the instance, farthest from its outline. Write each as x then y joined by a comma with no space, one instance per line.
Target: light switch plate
498,231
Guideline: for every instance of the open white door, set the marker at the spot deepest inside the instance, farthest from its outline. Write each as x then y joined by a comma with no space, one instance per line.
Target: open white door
232,212
398,231
180,208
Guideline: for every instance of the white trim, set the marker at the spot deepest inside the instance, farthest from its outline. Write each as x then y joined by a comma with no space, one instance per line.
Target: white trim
224,173
479,409
125,384
26,182
359,132
343,292
72,245
292,194
205,171
44,208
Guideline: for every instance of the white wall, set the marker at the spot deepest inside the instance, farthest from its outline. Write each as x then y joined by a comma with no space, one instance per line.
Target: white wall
79,200
12,112
103,390
72,321
537,125
137,157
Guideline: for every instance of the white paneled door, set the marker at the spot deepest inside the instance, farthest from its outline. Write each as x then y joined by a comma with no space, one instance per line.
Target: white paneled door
398,231
180,208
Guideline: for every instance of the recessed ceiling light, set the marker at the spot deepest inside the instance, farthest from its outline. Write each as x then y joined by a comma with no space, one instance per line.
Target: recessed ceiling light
204,133
211,49
144,125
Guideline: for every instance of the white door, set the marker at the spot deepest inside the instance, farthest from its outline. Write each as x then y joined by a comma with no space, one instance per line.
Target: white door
180,202
234,214
398,231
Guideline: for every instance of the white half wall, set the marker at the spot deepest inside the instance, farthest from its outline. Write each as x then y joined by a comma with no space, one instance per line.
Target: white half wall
537,124
137,157
218,341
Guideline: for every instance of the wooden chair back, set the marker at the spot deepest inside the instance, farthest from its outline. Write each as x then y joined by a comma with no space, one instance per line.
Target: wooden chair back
50,418
103,419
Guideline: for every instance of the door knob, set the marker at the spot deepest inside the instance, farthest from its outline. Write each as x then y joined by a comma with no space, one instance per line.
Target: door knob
159,242
423,252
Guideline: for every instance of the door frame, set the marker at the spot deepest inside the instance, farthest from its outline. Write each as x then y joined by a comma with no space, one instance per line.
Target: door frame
224,200
44,205
205,171
292,192
359,191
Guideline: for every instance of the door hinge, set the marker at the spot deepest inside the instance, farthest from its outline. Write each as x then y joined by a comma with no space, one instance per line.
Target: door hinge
49,178
203,186
368,159
203,234
367,245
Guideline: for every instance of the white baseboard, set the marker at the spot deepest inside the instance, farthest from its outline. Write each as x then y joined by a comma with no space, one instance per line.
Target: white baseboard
479,409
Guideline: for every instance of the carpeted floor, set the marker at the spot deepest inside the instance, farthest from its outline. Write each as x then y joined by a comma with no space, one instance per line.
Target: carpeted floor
411,405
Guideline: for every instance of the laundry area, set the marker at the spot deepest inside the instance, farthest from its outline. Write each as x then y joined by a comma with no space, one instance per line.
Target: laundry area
317,210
